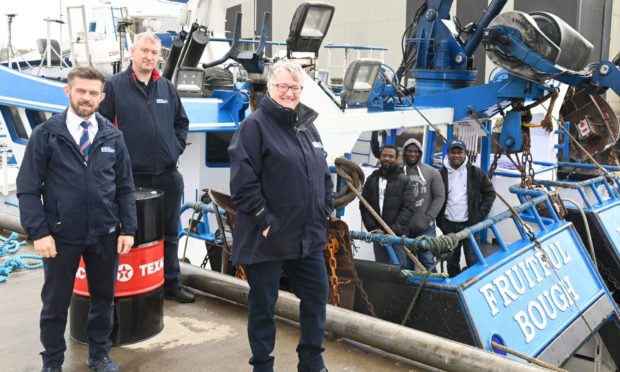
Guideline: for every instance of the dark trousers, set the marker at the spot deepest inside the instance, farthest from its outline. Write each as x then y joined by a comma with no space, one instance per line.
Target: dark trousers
171,183
454,262
382,255
101,261
308,277
426,258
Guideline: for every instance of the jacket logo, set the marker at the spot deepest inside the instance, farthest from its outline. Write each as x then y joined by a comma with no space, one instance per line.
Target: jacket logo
161,100
317,144
108,149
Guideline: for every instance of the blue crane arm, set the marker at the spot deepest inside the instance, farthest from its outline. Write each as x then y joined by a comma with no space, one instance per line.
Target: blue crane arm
603,75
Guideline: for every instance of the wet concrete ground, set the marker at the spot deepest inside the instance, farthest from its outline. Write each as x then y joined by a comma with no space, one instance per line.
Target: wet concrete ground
208,335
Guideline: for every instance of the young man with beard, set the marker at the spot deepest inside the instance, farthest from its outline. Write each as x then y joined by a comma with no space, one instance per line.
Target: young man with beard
429,194
469,197
77,162
390,194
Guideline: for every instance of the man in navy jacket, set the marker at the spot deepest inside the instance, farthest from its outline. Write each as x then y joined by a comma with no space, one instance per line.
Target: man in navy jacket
148,110
281,188
78,163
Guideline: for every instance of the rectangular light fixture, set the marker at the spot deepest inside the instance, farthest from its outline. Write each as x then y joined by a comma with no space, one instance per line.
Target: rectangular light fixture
359,81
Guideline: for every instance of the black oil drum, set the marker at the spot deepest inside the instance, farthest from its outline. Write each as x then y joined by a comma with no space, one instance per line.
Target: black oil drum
150,211
139,291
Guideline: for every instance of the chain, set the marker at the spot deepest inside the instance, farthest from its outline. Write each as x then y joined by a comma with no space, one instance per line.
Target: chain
527,172
332,247
240,273
498,154
359,284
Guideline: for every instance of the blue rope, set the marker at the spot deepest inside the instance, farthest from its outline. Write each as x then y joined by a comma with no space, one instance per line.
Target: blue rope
10,245
17,263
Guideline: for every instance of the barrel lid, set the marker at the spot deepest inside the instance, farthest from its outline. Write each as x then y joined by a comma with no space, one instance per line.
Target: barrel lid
143,193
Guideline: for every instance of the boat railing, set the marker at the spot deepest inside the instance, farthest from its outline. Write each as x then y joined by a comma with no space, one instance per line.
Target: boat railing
527,211
350,53
603,189
6,185
200,229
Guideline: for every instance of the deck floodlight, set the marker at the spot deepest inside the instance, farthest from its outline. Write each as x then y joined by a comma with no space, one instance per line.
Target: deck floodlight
359,80
308,27
189,81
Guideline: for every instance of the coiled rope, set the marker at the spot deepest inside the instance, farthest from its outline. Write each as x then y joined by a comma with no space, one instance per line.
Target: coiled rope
10,245
440,246
18,263
353,176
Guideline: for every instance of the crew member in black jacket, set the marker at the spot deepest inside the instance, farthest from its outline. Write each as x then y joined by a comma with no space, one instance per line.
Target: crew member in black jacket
78,163
390,193
469,197
148,110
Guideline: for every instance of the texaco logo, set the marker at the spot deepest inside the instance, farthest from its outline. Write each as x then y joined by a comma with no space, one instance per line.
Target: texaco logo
125,273
81,273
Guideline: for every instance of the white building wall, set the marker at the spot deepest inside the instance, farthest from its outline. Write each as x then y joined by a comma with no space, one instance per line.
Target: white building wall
356,22
378,23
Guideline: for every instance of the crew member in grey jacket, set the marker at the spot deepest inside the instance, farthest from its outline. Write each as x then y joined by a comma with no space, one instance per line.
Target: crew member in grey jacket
430,195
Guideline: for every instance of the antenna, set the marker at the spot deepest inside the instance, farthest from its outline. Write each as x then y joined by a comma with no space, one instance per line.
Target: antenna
9,47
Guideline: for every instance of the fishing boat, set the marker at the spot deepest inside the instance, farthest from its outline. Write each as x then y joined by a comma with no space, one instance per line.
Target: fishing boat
535,295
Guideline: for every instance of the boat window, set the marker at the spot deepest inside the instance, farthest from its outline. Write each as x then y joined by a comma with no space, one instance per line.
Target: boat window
14,124
217,149
36,117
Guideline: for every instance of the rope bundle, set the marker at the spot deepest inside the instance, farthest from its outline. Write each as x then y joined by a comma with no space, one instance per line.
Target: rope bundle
17,263
440,246
10,244
353,175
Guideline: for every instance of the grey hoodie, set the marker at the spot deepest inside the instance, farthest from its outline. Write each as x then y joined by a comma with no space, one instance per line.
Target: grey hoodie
429,190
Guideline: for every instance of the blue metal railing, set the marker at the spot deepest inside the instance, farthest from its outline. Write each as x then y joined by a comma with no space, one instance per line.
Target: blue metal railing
355,47
527,210
593,184
203,231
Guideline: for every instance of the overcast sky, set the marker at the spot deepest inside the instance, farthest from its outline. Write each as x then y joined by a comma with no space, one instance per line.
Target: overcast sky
29,23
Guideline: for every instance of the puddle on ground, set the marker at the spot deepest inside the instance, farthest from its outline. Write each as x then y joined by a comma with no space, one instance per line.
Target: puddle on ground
185,331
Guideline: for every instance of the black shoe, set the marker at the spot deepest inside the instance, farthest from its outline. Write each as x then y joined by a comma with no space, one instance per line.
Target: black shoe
179,294
104,364
51,369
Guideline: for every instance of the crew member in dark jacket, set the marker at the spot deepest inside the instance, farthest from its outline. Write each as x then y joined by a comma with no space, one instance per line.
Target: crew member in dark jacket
148,110
390,193
469,197
78,163
281,189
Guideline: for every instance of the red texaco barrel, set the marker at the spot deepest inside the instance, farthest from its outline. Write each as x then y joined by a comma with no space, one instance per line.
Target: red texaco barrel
138,298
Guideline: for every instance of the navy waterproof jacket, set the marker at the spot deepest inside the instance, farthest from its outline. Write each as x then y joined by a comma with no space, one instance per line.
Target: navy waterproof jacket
82,202
154,125
279,178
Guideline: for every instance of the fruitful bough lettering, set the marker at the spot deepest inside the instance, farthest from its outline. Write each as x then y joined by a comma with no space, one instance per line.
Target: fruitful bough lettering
559,297
508,287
